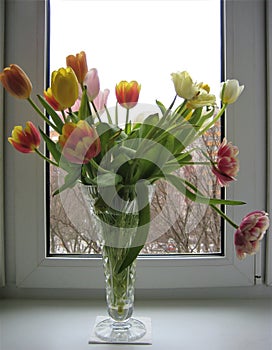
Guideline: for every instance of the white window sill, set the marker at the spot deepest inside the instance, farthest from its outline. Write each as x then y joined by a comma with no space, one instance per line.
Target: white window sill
176,324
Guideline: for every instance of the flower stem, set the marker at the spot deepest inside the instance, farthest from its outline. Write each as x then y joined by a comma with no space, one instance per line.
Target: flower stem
97,114
224,216
222,110
126,125
45,158
33,104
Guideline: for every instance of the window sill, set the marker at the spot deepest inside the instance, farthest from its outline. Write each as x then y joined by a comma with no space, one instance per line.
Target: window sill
192,324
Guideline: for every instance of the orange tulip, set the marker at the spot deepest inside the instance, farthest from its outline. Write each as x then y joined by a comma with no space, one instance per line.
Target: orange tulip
127,94
25,140
79,142
79,65
16,82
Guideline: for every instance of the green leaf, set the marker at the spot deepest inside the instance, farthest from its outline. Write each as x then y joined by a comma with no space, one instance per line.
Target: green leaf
108,134
161,106
176,163
196,196
52,147
149,125
70,180
143,227
53,114
108,179
84,109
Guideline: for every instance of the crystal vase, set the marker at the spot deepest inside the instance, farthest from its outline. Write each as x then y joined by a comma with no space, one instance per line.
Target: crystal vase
117,219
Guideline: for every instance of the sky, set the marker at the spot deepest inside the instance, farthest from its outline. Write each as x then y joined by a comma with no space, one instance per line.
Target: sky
140,40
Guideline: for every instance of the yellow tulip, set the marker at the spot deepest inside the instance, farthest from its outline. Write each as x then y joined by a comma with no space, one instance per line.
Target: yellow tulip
64,85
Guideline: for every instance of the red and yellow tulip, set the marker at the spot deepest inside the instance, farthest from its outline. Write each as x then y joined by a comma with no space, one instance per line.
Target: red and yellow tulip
79,142
16,82
127,93
48,95
25,140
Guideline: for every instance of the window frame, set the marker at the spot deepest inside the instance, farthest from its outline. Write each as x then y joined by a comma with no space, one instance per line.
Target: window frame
2,255
24,176
269,137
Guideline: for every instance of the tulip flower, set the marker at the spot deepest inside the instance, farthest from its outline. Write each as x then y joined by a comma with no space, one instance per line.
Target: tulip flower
101,100
250,233
227,163
79,64
127,93
184,85
201,99
230,91
25,140
64,87
92,82
16,82
79,142
48,95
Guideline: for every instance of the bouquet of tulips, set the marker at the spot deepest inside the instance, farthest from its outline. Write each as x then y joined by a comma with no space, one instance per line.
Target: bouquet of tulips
100,152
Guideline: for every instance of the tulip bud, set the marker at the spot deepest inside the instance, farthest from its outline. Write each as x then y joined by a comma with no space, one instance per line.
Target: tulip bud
92,82
52,101
79,142
25,140
101,100
16,82
127,94
184,85
64,87
79,64
230,91
227,163
250,233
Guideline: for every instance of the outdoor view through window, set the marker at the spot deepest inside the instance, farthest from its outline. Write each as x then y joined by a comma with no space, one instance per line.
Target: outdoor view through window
144,41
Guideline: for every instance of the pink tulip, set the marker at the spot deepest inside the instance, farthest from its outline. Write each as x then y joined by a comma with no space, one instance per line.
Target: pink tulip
92,82
227,163
101,100
250,232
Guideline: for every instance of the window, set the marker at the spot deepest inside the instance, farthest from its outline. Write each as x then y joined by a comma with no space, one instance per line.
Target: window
148,52
24,176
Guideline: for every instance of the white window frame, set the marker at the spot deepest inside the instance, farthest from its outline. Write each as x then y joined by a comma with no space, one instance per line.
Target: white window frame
2,256
27,265
269,136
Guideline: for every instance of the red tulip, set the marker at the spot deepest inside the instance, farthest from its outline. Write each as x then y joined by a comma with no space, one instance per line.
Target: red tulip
25,140
227,163
250,232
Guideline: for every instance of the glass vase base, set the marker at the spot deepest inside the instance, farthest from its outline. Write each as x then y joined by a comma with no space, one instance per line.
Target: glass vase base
111,331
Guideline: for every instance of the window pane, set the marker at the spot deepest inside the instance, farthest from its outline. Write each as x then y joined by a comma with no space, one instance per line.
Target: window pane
144,41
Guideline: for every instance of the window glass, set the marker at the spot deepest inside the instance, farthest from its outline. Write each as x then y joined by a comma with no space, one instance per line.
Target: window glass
144,41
